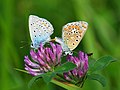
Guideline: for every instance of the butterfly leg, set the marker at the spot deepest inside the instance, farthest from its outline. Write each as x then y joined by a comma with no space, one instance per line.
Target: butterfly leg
53,40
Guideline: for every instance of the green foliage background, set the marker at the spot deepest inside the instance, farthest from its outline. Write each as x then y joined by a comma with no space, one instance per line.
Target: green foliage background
102,37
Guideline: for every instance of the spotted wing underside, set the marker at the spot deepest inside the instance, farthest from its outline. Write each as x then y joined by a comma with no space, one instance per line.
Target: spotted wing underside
72,33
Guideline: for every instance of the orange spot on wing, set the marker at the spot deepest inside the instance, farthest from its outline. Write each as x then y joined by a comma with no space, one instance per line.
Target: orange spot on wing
69,27
44,24
77,27
84,26
80,31
73,26
65,29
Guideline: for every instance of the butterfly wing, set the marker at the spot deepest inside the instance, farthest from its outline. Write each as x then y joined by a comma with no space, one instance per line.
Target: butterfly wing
40,30
72,33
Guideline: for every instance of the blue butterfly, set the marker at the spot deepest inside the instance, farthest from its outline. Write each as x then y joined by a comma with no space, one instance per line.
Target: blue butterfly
40,30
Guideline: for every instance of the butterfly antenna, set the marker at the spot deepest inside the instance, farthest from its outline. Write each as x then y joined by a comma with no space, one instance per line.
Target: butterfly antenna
23,42
25,45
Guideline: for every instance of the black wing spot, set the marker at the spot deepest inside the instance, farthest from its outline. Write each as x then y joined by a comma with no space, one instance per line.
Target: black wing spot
32,44
73,44
35,35
76,40
34,30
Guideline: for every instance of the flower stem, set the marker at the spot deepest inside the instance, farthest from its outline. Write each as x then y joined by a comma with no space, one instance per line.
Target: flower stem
65,85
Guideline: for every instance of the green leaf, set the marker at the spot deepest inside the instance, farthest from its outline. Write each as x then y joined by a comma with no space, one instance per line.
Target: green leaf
102,62
65,67
33,80
91,62
48,77
98,78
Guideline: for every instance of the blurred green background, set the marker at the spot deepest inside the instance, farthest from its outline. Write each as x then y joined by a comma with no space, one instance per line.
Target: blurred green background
102,37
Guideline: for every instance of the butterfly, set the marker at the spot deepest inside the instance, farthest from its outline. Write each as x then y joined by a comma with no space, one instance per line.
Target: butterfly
40,30
72,34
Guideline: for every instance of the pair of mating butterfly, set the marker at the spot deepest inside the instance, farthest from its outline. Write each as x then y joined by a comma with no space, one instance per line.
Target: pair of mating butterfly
41,30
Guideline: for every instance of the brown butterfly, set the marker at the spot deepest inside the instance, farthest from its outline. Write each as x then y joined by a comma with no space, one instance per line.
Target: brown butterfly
72,34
